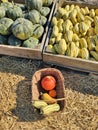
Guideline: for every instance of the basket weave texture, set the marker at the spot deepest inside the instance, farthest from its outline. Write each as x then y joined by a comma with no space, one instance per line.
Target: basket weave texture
36,84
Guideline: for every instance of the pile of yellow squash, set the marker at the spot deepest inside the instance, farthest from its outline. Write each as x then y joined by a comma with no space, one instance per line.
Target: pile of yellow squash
75,32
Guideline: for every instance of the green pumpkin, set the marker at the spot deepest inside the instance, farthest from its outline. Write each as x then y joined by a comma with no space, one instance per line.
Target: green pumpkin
5,26
6,5
14,12
38,31
3,39
47,2
2,12
13,41
34,16
30,42
45,11
43,20
33,4
22,28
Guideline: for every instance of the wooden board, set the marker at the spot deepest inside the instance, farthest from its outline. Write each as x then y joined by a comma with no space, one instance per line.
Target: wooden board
24,52
66,61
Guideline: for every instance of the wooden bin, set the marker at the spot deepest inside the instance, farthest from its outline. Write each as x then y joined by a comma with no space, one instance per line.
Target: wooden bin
24,52
66,61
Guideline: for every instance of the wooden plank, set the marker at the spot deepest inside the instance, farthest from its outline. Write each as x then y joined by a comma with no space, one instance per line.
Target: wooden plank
66,61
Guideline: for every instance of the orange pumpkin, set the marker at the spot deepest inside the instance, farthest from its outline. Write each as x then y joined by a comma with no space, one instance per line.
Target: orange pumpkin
53,93
48,82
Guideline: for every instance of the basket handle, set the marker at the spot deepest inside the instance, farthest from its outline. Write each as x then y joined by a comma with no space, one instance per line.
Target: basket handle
58,99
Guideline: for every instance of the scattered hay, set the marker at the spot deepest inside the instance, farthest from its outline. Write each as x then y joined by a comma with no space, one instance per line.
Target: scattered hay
17,113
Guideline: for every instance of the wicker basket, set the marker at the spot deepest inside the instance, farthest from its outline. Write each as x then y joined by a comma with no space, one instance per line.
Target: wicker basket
36,84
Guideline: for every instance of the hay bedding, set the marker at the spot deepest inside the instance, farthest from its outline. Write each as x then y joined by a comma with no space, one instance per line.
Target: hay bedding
16,111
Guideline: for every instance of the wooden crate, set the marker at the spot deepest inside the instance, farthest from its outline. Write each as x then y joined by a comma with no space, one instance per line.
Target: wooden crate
66,61
24,52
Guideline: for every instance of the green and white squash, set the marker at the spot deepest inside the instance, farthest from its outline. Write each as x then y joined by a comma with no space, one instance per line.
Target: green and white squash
38,30
3,39
45,11
14,12
22,28
34,16
13,41
33,4
2,12
30,42
43,20
6,5
5,26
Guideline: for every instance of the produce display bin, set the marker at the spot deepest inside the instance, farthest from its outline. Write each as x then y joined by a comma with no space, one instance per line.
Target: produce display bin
64,60
24,52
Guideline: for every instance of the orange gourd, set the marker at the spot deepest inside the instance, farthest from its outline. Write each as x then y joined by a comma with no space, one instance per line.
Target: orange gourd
53,93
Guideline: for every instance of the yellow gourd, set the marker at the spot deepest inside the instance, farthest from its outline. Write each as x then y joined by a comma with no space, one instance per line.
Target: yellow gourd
86,10
54,21
75,37
59,37
73,15
55,31
38,104
47,98
92,13
72,50
68,36
94,54
90,32
84,53
59,24
80,17
91,43
76,28
52,40
83,43
49,109
82,10
61,47
67,25
83,27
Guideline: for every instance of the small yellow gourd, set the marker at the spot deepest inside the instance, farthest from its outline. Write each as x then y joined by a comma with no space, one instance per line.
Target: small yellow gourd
75,37
38,104
68,36
73,15
55,31
67,25
59,37
84,53
54,21
47,98
59,24
83,43
92,13
91,43
94,54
